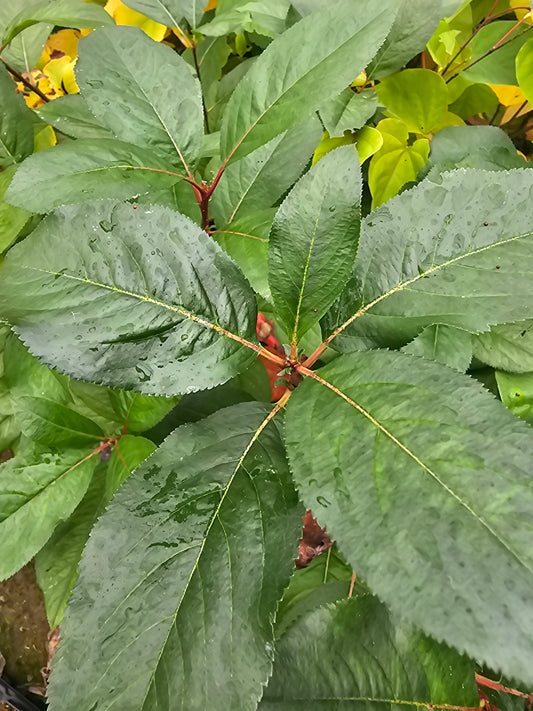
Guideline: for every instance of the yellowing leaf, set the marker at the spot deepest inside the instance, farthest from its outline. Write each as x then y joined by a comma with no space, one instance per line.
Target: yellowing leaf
508,95
328,144
62,43
45,138
368,140
61,73
397,162
211,5
522,13
124,15
360,80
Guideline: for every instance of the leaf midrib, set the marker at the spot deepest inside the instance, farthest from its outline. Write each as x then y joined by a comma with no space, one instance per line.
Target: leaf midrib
418,461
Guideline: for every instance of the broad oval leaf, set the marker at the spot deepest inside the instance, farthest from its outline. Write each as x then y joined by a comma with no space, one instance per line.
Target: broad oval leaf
16,126
128,304
314,241
386,665
424,480
457,251
86,170
65,13
38,491
70,115
309,63
142,91
204,535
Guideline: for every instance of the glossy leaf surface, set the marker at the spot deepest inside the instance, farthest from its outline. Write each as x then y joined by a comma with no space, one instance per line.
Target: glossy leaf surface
87,170
142,91
314,241
204,539
16,128
132,307
309,63
37,492
385,665
424,482
65,13
458,251
56,565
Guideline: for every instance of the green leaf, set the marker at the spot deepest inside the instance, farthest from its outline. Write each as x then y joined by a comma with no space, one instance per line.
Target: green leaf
397,162
143,91
508,346
475,99
258,180
524,68
444,344
326,579
348,111
170,12
24,51
454,252
86,170
115,409
424,481
204,535
299,71
38,491
328,144
12,219
386,664
56,565
516,392
129,304
246,242
70,115
415,22
416,96
486,147
498,67
65,13
266,17
314,241
54,425
16,127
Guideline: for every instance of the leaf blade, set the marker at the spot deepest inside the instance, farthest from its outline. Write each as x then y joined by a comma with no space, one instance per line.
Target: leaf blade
202,516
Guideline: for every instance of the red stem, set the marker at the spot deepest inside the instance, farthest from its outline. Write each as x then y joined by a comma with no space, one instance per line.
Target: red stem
482,24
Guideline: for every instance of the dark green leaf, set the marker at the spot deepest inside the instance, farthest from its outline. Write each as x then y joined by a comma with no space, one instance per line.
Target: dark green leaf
445,344
16,127
498,67
385,664
475,99
246,241
309,63
415,22
314,240
37,492
456,251
486,147
54,425
170,12
129,303
56,565
141,90
204,535
70,115
326,579
508,346
12,219
65,13
348,111
86,170
258,180
424,481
